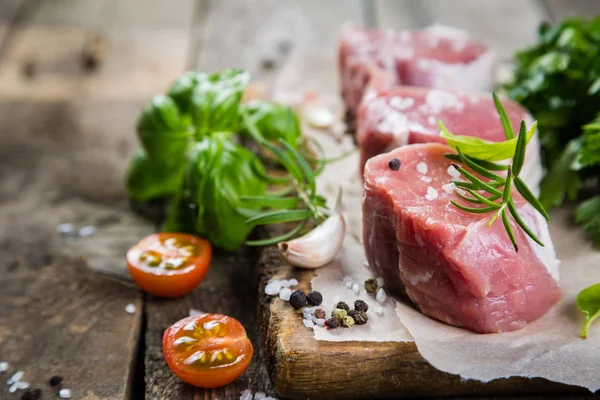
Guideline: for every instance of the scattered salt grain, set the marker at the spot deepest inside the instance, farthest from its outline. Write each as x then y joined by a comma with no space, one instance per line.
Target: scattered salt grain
400,103
21,385
348,282
335,300
320,321
307,313
12,388
293,282
194,312
3,366
381,296
378,310
15,378
432,194
448,187
453,172
130,308
426,179
285,294
431,120
309,323
87,230
246,395
65,228
273,288
379,280
64,393
422,168
356,288
284,283
259,396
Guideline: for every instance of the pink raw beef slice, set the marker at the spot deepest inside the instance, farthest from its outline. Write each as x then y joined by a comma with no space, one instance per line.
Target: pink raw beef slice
439,57
406,115
449,262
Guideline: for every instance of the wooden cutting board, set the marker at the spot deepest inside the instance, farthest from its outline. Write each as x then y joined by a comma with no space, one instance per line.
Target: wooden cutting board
302,367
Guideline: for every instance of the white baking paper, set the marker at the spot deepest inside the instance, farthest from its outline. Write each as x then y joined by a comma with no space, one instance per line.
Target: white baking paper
549,347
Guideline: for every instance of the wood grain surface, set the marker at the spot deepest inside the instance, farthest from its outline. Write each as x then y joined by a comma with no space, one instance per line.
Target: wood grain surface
66,133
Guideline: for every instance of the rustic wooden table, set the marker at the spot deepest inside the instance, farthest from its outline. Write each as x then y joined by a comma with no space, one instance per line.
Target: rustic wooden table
73,76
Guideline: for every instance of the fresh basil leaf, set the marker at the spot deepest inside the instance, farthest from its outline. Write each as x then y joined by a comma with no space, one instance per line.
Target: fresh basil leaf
588,214
163,130
149,179
483,149
216,100
183,87
562,181
274,121
220,172
588,302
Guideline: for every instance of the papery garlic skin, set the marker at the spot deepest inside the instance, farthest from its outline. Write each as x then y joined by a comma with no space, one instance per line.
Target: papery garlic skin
318,247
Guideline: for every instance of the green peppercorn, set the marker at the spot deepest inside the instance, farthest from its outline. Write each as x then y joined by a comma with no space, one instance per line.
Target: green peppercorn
371,285
360,317
332,323
314,298
319,313
298,299
343,306
348,321
360,305
339,313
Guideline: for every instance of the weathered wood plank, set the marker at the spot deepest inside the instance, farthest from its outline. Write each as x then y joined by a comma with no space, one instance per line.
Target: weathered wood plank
560,9
261,44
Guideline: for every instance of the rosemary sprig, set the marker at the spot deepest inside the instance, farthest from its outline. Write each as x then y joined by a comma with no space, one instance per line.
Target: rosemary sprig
496,196
298,201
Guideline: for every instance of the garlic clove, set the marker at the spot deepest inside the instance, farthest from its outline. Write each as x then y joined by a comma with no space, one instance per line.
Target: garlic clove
318,247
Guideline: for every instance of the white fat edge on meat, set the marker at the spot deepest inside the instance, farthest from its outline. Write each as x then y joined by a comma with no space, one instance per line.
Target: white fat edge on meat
547,255
475,76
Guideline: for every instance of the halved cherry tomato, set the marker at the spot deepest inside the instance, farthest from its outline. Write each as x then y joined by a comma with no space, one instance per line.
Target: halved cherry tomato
169,264
208,350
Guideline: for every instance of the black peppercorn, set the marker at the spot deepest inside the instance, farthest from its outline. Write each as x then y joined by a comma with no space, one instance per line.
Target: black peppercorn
371,285
319,313
314,298
32,394
394,164
342,305
332,323
360,305
56,380
298,299
360,317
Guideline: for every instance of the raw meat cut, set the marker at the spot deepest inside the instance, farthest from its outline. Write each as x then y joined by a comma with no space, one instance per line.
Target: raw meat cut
405,115
447,261
439,57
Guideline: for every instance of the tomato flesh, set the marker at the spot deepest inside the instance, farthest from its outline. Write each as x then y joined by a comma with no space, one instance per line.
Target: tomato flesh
169,264
208,350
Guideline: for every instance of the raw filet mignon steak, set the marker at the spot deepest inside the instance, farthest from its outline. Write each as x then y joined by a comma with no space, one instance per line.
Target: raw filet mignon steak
440,57
447,261
405,115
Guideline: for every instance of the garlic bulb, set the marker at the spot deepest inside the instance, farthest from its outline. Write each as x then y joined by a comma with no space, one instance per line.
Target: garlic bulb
318,247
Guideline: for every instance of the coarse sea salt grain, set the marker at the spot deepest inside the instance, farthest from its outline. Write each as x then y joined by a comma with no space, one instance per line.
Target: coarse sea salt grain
15,378
293,282
400,103
422,168
347,282
432,194
381,296
379,280
448,187
356,288
308,323
87,230
64,393
426,179
130,308
273,288
431,120
453,172
3,366
246,395
259,396
307,313
285,294
65,228
378,310
284,283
